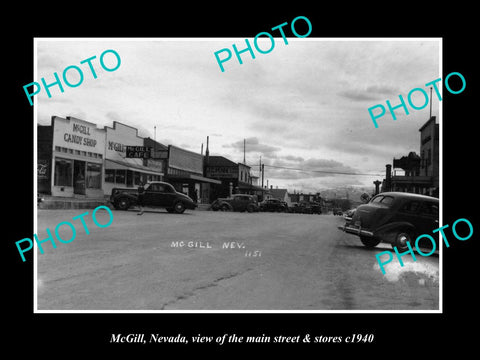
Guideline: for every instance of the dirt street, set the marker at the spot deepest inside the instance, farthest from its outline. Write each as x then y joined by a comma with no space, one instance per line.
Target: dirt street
204,260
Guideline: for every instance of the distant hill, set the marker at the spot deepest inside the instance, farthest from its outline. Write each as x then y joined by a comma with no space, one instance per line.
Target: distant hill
346,192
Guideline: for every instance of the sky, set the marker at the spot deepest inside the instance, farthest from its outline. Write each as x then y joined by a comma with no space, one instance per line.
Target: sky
302,106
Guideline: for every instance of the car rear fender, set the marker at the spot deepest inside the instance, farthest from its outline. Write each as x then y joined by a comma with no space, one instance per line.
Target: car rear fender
388,231
129,196
222,203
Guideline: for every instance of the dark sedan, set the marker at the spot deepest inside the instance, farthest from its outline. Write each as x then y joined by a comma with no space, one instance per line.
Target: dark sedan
310,207
236,202
273,205
395,218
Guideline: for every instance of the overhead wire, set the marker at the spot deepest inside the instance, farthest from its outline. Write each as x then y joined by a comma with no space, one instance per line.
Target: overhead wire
317,171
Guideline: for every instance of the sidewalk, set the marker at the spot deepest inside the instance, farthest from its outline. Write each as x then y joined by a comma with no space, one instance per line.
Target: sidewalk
57,202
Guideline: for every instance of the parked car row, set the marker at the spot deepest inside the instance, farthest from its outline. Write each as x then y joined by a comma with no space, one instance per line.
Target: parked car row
249,203
305,207
160,194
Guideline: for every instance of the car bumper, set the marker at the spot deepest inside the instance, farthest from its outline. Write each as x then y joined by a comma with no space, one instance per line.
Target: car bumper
351,229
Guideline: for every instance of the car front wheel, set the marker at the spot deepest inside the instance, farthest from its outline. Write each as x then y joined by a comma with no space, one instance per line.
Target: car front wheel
369,242
179,207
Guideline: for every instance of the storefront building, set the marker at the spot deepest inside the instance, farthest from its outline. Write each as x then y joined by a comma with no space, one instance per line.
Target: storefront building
185,173
121,171
234,178
421,172
70,158
223,170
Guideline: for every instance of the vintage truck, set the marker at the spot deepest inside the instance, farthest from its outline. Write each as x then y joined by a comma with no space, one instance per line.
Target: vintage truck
157,194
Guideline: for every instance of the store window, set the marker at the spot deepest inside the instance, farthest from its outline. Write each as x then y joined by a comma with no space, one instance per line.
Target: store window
129,178
63,172
136,178
120,177
94,176
110,175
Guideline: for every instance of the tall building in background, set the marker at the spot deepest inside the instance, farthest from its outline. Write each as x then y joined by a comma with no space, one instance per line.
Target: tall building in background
421,173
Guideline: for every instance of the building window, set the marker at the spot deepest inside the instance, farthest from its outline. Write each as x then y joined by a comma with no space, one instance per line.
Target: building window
136,178
63,172
120,177
94,176
110,175
129,178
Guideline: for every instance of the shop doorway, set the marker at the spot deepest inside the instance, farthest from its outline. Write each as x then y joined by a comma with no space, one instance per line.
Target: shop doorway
79,177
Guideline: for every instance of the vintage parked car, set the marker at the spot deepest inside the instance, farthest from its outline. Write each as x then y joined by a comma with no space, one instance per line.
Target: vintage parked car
305,207
236,202
395,218
157,194
337,211
295,208
316,207
273,205
349,214
310,207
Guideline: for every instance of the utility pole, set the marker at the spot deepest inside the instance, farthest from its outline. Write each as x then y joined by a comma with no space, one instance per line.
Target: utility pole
154,141
430,102
263,172
244,152
260,167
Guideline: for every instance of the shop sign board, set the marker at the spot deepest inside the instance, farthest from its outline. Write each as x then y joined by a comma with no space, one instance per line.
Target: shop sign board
78,134
137,152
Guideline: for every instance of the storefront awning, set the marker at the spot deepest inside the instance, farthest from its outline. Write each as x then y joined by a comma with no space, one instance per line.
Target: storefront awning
194,177
123,165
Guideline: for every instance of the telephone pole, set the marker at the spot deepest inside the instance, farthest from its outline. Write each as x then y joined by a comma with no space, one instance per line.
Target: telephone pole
263,172
430,102
244,162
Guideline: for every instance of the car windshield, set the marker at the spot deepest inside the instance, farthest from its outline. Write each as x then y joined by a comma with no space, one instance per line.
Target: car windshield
385,200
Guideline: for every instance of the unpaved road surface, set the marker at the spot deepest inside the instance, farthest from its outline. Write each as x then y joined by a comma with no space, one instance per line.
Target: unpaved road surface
227,261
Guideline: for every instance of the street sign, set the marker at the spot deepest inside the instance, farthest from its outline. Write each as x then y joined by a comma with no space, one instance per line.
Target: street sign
365,197
138,152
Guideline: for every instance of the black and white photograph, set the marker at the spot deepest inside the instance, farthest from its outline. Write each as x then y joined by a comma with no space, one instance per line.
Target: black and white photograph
255,186
217,179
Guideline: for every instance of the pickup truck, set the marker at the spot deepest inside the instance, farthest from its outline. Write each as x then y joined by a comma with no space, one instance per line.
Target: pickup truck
157,194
